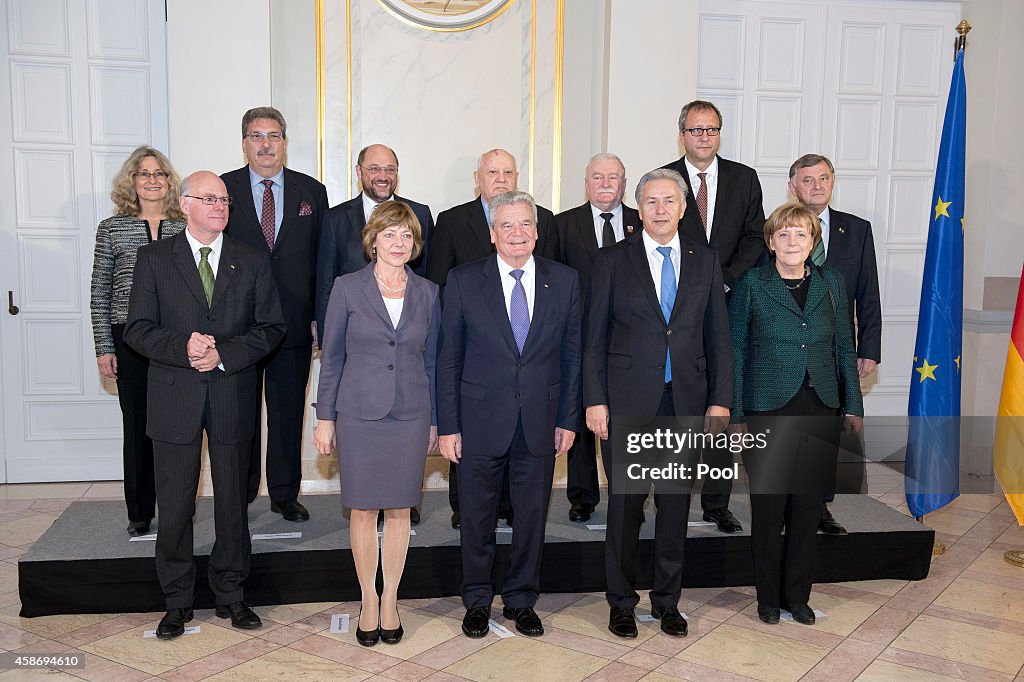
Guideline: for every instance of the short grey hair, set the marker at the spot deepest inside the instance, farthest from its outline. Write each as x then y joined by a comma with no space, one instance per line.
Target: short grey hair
606,156
698,105
507,199
264,112
808,160
660,174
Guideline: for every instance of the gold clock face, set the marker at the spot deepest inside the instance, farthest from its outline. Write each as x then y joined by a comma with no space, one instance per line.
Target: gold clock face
446,15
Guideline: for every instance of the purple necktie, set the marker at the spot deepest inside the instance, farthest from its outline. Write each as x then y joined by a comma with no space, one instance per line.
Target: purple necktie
519,311
267,216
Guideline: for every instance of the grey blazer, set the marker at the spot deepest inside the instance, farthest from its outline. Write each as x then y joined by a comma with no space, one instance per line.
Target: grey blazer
368,368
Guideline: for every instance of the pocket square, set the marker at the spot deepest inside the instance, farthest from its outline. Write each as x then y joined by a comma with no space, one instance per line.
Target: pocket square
305,209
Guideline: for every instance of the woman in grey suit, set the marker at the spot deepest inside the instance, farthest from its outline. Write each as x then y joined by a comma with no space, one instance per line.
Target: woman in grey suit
375,401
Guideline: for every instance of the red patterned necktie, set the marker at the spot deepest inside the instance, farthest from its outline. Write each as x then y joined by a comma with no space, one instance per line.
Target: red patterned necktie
702,200
267,216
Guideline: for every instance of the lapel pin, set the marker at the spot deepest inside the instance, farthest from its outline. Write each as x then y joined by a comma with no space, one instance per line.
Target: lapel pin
546,285
629,229
842,229
689,252
232,266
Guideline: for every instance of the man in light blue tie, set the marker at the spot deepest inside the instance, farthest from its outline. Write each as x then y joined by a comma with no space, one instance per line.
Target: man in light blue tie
656,344
508,395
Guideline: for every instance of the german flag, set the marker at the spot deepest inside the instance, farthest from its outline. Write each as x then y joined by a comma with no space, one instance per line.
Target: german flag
1009,444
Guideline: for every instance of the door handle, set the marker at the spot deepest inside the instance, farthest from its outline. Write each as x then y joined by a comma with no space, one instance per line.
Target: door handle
11,308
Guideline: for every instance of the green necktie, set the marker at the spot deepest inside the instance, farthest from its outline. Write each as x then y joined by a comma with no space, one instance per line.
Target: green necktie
206,273
818,254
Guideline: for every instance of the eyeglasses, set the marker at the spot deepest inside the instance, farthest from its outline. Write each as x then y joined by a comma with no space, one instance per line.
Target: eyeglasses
259,136
700,132
376,170
210,200
159,175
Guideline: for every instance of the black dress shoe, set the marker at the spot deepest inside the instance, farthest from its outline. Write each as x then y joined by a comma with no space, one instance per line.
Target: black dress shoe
828,525
724,519
456,522
241,616
672,622
768,614
291,510
414,516
474,623
173,623
802,613
621,623
527,621
580,511
369,637
136,528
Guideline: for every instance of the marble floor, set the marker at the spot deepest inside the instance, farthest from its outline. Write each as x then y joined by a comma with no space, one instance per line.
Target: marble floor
966,621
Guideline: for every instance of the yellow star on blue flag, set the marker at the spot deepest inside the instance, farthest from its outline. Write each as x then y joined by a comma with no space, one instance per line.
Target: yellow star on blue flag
941,208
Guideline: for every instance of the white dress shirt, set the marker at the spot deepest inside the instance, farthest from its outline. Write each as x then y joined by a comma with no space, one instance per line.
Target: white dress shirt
369,204
599,223
508,282
712,179
654,259
215,248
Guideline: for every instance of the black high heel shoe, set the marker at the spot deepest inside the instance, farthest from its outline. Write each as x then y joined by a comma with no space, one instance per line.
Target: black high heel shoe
367,637
392,636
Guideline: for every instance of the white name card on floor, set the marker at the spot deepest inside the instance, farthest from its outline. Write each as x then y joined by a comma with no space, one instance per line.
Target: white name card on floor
788,617
143,538
189,630
339,623
503,529
645,618
294,535
693,524
597,526
380,533
499,630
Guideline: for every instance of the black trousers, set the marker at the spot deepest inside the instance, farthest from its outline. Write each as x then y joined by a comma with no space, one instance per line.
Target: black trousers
177,481
622,537
795,472
581,484
530,477
504,506
137,451
284,374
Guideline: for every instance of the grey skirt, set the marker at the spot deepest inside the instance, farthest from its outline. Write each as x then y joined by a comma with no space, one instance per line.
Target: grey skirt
381,461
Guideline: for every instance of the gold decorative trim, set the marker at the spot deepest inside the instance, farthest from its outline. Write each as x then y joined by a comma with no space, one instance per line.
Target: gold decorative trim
348,96
533,93
321,95
556,136
444,29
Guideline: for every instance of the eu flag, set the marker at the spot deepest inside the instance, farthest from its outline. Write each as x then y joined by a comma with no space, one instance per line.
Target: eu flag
932,475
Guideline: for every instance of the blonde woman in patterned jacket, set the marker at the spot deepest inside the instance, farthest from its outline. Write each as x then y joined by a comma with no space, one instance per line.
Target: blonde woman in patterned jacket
145,196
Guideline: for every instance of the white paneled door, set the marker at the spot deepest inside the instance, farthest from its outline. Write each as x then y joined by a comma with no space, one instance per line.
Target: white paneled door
863,83
84,83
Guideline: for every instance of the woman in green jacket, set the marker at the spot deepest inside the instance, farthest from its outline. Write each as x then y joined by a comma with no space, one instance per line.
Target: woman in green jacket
795,380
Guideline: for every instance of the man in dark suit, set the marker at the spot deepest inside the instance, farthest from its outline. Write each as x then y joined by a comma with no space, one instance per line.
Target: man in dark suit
205,311
726,213
280,212
462,236
657,345
847,246
341,244
601,221
508,374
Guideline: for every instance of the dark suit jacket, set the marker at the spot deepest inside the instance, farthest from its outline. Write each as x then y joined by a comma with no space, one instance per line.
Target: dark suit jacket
776,344
627,336
484,384
737,230
579,241
462,236
167,304
341,247
391,370
851,251
293,260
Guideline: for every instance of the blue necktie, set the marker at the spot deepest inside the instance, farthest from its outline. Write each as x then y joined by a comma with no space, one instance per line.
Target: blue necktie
519,311
668,298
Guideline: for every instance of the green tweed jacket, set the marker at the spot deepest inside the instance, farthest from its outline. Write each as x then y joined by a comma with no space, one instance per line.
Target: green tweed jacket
775,343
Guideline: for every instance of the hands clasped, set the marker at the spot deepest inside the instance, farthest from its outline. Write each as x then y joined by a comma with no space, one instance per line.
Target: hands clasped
202,352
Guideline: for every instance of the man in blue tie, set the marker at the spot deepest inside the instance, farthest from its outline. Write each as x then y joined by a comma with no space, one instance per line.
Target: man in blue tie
508,393
656,344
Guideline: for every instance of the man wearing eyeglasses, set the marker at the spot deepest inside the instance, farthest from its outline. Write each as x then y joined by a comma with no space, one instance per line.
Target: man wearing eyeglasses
341,244
204,310
281,213
727,214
